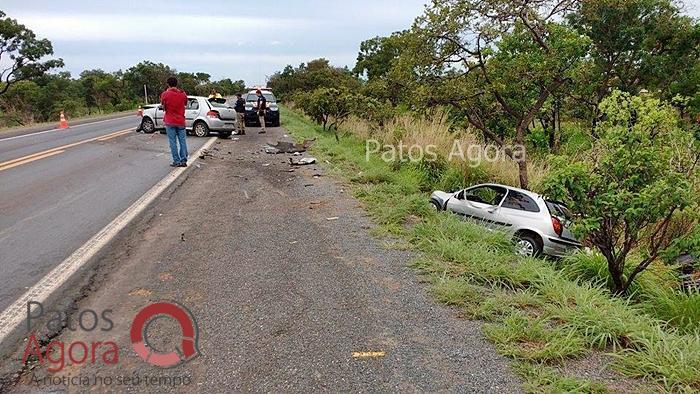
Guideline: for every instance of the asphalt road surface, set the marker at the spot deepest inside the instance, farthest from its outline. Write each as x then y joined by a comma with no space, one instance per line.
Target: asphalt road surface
58,188
289,291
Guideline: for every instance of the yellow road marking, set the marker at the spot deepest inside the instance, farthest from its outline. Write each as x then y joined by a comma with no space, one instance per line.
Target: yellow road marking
29,160
109,137
368,354
50,152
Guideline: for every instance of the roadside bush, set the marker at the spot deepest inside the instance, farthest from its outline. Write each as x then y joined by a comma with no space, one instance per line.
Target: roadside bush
625,194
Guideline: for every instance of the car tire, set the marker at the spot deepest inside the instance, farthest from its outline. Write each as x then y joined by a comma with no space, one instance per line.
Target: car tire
528,245
225,134
435,206
148,126
200,129
276,124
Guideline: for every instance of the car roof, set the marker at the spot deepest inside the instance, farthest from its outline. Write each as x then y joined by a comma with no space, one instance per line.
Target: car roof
525,192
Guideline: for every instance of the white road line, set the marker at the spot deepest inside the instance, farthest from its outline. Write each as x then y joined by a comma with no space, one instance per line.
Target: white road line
12,317
72,127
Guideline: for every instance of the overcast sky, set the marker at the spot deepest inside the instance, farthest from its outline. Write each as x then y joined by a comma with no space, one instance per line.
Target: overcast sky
234,39
228,39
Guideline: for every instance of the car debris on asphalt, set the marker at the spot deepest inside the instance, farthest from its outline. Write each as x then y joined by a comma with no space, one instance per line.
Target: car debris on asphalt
288,147
305,161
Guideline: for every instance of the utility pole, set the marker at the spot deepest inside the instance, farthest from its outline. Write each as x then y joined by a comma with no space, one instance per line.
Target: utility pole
145,92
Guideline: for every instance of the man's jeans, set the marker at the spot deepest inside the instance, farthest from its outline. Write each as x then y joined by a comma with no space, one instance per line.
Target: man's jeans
175,134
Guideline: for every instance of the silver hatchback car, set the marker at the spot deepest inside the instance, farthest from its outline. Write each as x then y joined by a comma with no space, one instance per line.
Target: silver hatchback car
540,226
202,116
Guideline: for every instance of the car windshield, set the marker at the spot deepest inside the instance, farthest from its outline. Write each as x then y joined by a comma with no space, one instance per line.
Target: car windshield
268,96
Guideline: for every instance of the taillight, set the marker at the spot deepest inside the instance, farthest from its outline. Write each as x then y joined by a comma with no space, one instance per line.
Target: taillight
213,114
556,225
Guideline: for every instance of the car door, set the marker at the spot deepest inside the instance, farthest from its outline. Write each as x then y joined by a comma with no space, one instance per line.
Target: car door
191,111
158,117
483,203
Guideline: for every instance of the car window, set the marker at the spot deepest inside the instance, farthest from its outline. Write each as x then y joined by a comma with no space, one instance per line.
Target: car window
486,195
559,210
192,104
219,105
254,97
519,201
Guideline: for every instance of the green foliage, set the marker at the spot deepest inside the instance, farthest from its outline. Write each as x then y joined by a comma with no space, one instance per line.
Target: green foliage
22,53
308,77
640,172
330,106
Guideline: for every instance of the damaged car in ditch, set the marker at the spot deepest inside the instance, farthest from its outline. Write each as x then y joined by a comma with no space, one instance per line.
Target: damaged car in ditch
539,226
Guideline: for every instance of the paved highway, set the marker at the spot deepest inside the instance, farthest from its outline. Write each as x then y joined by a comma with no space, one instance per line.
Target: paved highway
60,187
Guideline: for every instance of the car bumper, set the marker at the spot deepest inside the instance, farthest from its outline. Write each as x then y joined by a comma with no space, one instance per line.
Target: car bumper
270,117
222,124
559,247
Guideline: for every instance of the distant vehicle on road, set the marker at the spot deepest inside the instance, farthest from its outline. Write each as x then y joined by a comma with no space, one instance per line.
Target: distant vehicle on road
539,226
202,116
272,115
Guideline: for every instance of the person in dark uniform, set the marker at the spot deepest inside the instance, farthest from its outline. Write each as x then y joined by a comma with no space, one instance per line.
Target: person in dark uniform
240,113
261,107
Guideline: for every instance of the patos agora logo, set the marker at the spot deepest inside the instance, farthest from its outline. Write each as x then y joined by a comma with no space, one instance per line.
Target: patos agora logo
58,354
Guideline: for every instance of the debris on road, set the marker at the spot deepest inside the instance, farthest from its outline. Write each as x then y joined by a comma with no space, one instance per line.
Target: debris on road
205,154
332,218
288,147
303,161
368,354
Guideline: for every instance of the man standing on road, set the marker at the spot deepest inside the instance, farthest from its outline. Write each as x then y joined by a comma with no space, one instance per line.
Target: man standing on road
262,107
173,101
240,113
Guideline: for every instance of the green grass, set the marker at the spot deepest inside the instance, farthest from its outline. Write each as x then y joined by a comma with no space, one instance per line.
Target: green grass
538,312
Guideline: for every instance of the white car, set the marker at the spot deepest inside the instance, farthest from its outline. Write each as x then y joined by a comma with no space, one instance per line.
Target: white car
540,226
202,116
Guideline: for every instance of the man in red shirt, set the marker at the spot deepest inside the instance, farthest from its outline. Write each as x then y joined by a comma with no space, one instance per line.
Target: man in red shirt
173,101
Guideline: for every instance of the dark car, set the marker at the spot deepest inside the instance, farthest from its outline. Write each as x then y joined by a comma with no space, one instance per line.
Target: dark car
272,115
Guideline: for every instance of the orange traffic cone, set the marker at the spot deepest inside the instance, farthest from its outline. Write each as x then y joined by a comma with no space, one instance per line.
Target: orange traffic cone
64,122
139,112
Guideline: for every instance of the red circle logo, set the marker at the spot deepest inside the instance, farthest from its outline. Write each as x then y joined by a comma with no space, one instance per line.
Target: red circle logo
188,349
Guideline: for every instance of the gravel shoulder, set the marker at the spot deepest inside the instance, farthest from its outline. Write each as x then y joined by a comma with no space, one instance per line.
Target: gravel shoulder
282,294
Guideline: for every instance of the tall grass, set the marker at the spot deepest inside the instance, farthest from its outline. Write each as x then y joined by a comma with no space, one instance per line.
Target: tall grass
451,146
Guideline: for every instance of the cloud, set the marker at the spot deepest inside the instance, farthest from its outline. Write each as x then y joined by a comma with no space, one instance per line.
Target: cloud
160,28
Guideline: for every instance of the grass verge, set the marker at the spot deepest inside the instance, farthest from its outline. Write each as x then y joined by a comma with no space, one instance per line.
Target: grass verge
539,315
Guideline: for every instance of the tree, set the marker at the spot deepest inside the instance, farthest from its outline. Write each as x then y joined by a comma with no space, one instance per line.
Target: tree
636,44
22,53
316,74
377,55
497,63
18,104
330,107
153,75
642,170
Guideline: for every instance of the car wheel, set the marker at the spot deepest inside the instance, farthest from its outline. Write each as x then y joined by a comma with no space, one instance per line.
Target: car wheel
435,206
148,126
528,246
224,134
201,129
276,124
